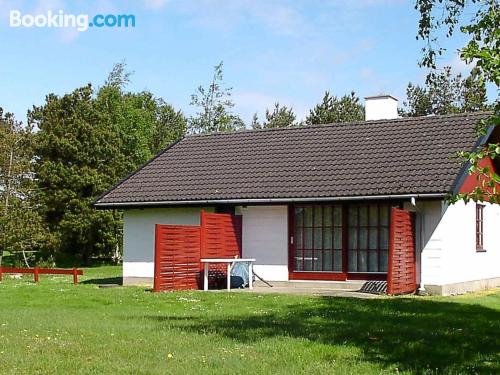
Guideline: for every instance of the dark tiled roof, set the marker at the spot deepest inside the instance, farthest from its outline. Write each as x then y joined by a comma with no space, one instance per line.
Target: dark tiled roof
390,157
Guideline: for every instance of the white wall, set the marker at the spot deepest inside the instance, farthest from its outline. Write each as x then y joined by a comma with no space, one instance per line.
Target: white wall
449,254
265,238
139,235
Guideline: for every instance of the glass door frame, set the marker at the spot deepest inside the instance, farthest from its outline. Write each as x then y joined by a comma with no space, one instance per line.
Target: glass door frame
331,275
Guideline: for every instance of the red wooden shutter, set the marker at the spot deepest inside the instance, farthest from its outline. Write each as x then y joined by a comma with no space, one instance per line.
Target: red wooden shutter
221,235
177,257
401,276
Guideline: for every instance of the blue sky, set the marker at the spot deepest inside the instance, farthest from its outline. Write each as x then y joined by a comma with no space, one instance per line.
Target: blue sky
286,51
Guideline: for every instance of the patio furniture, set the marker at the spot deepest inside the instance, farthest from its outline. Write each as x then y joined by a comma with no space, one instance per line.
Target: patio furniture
230,263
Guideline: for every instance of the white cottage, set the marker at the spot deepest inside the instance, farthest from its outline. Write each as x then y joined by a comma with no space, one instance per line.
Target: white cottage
318,202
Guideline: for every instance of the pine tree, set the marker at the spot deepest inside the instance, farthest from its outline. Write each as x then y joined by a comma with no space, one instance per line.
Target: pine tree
334,110
279,117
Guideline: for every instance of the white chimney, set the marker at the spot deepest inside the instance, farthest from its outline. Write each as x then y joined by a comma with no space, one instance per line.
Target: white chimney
381,107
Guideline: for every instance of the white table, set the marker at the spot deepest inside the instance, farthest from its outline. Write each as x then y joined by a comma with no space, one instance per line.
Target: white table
230,263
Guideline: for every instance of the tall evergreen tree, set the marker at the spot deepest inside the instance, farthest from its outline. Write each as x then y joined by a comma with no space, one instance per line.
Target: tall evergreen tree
446,94
86,142
335,110
279,117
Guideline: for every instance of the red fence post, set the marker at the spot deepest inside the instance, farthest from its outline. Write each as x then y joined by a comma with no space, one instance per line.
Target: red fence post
35,274
75,276
157,265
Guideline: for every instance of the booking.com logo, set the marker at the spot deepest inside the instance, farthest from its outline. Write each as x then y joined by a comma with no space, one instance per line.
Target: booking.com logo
82,22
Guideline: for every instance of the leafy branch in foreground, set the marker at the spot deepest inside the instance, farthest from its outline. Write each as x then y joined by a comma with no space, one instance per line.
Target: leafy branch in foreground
482,53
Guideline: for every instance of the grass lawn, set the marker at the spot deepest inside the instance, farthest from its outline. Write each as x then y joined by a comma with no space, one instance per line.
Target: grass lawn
55,327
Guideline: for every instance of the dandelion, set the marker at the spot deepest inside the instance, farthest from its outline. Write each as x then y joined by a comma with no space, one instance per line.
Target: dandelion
170,356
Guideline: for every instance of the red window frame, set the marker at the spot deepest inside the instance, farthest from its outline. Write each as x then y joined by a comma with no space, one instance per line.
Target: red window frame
331,275
480,227
317,249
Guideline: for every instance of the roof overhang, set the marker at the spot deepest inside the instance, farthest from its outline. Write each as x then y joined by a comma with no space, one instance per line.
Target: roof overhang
118,205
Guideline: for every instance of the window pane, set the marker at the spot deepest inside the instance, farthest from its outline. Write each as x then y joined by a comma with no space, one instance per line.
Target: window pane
373,215
384,262
353,238
352,261
298,261
363,215
298,238
384,238
337,261
337,216
308,216
317,260
384,215
337,236
363,238
373,238
372,261
308,241
353,216
327,261
362,261
307,260
298,217
327,216
318,216
327,238
318,238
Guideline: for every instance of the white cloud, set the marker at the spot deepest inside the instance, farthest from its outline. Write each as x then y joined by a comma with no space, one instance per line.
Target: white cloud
279,17
458,65
42,6
155,4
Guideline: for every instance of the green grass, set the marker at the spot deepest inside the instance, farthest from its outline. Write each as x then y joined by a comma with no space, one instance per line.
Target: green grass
55,327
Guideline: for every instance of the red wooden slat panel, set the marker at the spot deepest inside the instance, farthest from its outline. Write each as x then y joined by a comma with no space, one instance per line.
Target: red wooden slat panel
177,257
221,238
401,276
178,249
221,235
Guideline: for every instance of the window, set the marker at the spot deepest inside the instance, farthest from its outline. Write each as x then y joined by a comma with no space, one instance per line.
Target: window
368,245
479,227
326,236
318,238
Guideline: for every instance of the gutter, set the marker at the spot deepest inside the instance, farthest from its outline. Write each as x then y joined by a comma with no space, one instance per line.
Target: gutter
267,200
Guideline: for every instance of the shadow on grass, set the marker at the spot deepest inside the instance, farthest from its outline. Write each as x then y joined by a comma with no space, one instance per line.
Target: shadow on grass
106,280
420,336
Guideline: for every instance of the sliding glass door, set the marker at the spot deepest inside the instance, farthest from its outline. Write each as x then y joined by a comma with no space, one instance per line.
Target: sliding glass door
368,234
318,238
349,238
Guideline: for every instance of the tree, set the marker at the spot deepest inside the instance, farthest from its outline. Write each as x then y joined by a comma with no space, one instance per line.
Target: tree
334,110
169,126
87,141
478,21
214,105
21,228
279,117
446,94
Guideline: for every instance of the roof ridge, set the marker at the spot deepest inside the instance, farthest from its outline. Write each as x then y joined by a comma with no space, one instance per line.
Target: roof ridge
347,123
